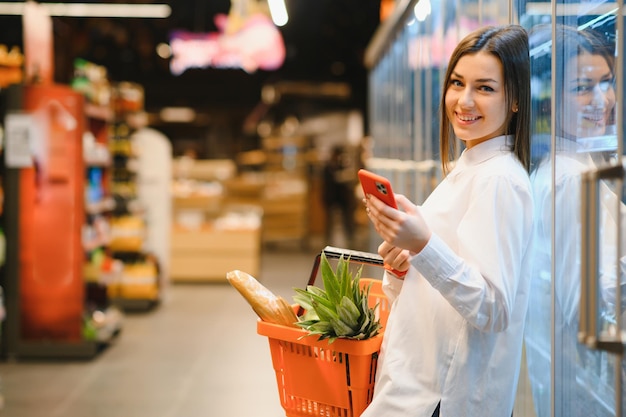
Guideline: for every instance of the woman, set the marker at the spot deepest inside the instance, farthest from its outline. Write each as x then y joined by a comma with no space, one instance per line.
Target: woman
453,341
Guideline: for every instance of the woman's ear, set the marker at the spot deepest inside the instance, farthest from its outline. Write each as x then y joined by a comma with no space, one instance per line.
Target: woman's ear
515,107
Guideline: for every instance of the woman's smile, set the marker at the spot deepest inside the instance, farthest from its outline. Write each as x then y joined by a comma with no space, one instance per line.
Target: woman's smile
466,118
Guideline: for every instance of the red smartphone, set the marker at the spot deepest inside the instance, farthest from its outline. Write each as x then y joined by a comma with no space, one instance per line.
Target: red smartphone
378,186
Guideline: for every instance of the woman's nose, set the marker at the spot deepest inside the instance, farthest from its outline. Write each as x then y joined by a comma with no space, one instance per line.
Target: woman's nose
600,96
466,99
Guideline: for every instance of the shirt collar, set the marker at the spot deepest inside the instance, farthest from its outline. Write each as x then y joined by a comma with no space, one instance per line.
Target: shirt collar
572,149
567,145
482,152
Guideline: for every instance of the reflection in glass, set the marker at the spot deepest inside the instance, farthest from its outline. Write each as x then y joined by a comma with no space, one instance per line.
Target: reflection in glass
585,138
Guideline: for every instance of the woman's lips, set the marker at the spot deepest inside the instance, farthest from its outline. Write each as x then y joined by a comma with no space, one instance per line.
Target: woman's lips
466,118
596,118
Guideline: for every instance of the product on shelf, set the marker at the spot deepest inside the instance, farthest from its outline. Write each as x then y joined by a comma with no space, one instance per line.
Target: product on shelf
92,81
127,233
11,63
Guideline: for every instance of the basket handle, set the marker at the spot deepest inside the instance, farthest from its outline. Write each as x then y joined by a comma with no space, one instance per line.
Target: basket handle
353,255
332,252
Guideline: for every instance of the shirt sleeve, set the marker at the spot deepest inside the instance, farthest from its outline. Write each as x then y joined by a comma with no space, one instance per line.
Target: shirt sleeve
480,277
392,286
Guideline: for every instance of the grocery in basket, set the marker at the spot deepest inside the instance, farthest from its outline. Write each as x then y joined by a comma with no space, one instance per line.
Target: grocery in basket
332,374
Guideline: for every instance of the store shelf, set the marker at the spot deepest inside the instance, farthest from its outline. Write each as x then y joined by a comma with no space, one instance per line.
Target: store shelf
48,303
138,287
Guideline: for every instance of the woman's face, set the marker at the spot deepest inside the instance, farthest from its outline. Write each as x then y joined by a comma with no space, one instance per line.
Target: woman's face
589,96
475,100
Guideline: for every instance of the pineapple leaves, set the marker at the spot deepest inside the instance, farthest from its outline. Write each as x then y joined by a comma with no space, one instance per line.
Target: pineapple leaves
339,310
330,280
348,312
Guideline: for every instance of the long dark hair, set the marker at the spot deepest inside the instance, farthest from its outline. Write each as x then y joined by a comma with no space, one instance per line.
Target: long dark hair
509,44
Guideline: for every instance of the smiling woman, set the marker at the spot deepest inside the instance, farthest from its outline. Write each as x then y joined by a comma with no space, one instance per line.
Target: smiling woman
457,316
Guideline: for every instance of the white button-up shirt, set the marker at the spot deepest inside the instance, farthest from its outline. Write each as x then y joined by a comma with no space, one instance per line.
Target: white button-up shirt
457,319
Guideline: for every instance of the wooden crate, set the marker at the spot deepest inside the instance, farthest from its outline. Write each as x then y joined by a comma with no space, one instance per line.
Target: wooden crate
207,254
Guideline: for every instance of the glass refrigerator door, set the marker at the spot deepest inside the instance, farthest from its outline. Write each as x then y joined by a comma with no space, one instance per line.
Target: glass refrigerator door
603,253
573,341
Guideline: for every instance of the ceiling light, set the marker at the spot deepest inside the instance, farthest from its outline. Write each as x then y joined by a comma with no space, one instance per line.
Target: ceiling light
177,114
422,10
164,50
278,12
158,11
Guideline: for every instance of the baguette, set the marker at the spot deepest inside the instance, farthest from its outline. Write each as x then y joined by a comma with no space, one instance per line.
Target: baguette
268,306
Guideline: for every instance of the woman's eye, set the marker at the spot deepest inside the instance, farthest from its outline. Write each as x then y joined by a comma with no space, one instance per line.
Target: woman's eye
606,85
456,83
581,89
486,88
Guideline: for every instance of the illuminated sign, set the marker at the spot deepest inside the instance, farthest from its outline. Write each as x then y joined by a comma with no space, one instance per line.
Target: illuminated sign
256,44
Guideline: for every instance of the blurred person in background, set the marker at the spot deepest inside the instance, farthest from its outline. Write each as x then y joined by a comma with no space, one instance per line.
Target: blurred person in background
154,188
339,179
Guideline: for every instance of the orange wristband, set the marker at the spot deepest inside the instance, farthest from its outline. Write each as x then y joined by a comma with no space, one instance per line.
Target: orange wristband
397,273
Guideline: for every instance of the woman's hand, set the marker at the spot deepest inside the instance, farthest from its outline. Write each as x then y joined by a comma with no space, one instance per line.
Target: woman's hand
395,258
404,229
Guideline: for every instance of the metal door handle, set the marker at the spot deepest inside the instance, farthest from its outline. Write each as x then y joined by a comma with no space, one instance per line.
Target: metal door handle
588,332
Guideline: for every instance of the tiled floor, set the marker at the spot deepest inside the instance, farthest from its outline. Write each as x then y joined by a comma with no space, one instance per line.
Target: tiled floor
196,355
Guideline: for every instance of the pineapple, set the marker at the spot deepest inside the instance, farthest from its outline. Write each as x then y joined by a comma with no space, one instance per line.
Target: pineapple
341,309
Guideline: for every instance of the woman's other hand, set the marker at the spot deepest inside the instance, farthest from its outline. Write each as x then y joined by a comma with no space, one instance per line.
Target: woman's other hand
403,228
397,259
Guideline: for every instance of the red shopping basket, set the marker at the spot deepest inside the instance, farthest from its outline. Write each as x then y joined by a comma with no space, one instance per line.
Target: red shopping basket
318,378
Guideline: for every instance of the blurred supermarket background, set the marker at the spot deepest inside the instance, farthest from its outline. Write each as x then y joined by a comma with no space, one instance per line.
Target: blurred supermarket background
147,150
